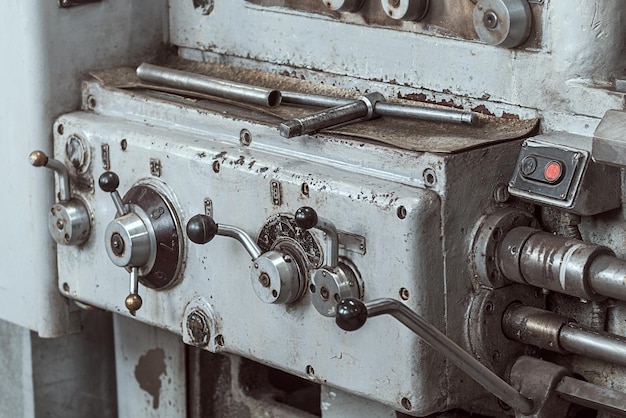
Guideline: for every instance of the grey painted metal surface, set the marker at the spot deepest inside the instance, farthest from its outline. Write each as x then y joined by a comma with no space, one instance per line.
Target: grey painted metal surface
150,370
40,80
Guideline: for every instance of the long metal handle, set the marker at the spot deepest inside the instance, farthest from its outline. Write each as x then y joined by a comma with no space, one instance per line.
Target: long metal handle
592,396
352,314
40,159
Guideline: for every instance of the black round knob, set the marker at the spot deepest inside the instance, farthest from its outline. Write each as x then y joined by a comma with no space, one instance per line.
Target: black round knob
351,314
306,217
201,229
109,181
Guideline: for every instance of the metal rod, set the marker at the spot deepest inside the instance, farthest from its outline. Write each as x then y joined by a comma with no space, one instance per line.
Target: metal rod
606,276
240,235
209,85
40,159
134,281
426,113
592,396
459,357
455,116
590,343
554,332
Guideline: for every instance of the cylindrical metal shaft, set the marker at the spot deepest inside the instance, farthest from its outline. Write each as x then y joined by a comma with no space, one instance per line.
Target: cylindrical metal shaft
387,109
240,235
459,357
554,332
40,159
362,108
569,266
209,85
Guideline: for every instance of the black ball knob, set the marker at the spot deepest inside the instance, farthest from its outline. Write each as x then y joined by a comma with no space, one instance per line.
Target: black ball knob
201,229
351,314
109,181
306,217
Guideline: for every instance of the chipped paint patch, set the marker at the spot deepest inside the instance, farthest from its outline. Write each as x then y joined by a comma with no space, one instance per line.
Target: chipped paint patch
148,373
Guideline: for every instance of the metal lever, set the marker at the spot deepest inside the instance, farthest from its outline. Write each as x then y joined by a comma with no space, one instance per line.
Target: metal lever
352,315
109,182
275,276
306,218
333,281
360,109
68,220
137,241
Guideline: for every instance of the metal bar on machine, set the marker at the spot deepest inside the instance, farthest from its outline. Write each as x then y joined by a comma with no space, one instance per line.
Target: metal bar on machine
209,85
592,396
554,332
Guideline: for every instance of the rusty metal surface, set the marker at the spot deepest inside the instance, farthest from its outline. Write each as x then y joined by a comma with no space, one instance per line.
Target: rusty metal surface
448,18
400,133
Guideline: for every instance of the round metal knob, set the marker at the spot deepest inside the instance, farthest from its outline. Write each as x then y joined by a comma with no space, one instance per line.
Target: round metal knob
109,182
351,314
505,23
133,303
410,10
201,229
344,5
306,217
38,159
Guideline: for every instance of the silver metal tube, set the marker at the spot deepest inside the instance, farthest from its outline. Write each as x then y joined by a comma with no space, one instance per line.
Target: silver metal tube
554,332
240,235
324,119
387,109
590,343
426,113
122,209
459,357
607,276
209,85
316,100
134,281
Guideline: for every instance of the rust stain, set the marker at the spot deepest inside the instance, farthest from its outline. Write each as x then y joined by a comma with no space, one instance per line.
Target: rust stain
482,109
148,373
421,97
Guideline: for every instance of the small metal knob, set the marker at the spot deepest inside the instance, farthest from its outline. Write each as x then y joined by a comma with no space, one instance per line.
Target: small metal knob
351,314
201,229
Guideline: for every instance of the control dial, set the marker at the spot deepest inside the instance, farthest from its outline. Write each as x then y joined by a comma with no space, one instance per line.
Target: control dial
68,220
144,237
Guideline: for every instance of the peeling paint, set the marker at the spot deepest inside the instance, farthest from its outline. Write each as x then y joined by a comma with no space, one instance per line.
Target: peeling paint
148,373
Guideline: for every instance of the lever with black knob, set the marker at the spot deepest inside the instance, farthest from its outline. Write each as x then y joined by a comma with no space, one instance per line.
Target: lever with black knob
68,220
352,315
276,277
334,281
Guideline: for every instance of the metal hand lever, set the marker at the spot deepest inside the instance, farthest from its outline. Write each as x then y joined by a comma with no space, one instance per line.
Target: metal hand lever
306,218
68,220
275,275
40,159
133,301
109,182
201,229
333,281
360,109
352,315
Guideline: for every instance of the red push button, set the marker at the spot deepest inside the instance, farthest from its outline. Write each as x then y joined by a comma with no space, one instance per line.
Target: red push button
553,171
